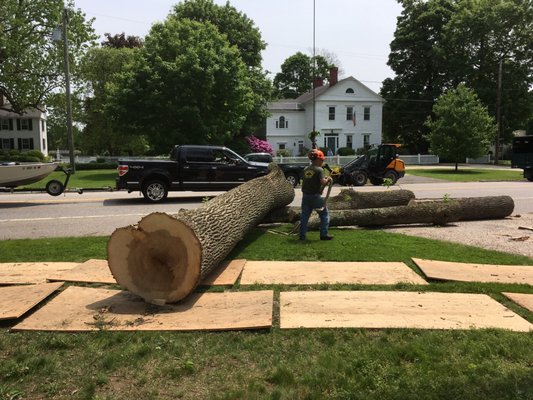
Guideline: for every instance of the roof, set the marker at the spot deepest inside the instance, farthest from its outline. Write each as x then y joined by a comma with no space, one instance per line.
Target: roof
286,104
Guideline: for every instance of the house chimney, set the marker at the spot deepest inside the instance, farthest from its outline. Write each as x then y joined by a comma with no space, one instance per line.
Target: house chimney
318,82
333,76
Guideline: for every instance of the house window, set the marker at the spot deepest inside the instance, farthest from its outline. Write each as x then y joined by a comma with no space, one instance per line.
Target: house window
7,144
281,146
301,148
366,141
349,113
350,91
349,141
332,113
4,124
25,124
42,125
25,144
282,123
367,114
44,144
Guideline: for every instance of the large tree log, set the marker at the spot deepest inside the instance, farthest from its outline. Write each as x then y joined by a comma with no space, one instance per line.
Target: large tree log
348,199
416,213
164,257
478,208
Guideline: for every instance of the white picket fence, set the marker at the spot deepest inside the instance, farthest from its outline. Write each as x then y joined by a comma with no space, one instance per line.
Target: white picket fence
418,159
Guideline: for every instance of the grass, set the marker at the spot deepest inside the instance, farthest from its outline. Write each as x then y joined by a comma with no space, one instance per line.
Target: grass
469,175
276,364
92,179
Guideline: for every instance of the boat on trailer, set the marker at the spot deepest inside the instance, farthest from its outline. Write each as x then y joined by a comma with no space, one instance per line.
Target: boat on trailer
14,174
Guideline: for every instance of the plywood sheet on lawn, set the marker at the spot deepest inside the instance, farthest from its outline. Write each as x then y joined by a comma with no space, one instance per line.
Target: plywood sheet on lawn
465,272
31,272
83,309
523,299
17,300
91,271
225,274
385,309
316,272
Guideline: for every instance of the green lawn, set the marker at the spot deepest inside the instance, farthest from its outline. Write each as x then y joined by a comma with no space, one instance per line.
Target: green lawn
469,175
92,179
276,364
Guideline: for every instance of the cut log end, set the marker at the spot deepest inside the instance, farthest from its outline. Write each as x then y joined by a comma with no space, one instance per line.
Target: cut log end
160,259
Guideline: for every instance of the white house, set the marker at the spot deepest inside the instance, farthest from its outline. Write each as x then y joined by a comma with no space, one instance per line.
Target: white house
348,114
22,132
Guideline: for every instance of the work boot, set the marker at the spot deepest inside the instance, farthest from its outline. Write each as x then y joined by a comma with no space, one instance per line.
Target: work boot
327,237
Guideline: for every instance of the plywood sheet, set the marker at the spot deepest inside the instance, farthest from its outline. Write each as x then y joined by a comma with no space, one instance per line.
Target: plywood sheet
316,272
17,300
523,299
386,309
465,272
226,274
84,309
91,271
31,272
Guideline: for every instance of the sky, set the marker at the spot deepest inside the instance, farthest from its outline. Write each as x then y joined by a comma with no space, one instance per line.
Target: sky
357,32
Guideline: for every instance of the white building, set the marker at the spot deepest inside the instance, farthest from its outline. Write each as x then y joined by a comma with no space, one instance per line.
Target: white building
22,132
348,114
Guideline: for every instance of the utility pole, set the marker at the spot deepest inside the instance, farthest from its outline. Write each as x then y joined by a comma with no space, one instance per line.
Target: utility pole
67,92
314,146
498,114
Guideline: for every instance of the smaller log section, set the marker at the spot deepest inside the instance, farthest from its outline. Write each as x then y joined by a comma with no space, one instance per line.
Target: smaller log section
437,212
164,257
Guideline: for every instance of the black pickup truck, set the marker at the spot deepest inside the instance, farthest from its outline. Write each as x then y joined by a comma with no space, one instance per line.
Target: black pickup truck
193,168
523,155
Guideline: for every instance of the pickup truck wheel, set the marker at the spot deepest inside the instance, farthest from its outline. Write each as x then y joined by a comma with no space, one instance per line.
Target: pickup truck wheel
155,191
529,175
293,179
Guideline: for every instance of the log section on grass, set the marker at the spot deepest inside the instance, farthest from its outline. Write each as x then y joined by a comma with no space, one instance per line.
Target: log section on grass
479,208
416,213
164,257
348,199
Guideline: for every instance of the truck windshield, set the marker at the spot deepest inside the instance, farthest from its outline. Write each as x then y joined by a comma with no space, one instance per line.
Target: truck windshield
234,156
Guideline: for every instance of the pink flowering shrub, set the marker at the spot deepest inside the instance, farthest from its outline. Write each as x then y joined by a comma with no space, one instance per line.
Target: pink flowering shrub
258,145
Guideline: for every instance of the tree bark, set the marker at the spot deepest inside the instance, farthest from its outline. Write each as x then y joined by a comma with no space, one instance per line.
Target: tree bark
164,257
478,208
349,199
416,213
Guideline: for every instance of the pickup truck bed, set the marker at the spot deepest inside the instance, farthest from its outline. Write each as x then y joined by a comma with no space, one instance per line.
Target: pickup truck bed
193,168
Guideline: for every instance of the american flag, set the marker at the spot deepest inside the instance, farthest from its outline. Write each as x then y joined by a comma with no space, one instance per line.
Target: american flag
353,117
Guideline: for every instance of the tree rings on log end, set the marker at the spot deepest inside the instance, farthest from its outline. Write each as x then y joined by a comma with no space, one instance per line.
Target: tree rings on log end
159,259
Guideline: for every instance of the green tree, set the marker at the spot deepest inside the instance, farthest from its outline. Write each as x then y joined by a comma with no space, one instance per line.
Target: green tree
99,68
441,43
120,41
462,126
31,63
241,32
188,84
296,76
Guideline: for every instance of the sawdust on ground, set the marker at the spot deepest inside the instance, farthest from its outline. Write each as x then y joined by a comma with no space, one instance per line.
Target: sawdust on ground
501,234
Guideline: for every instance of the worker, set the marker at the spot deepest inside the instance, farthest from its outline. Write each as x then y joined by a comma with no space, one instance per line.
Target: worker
312,186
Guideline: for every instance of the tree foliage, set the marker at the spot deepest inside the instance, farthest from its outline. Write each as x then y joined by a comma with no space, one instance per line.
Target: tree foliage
238,28
31,63
296,76
462,126
441,43
120,41
186,85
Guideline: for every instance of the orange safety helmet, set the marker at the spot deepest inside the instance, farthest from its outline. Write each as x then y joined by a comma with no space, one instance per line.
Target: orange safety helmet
316,154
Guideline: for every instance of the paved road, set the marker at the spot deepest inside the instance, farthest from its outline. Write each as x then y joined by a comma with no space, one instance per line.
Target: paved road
37,215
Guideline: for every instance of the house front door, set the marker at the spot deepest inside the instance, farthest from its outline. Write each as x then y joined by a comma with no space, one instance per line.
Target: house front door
331,143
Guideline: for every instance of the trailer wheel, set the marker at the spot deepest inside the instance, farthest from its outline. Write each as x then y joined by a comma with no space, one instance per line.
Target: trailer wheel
359,178
54,188
292,179
392,176
155,191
